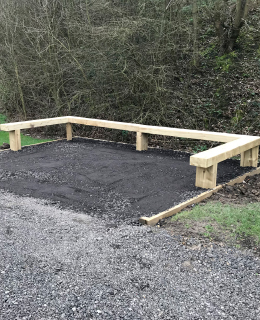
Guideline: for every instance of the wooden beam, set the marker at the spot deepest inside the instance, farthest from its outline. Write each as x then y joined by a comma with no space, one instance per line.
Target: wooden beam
249,158
15,140
33,123
207,158
141,141
206,177
172,211
166,131
235,144
69,131
105,124
190,134
168,213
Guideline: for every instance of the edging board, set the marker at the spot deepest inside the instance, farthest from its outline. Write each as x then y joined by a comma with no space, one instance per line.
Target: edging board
174,210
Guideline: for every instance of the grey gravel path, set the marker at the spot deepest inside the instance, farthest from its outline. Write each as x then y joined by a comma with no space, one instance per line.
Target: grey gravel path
57,264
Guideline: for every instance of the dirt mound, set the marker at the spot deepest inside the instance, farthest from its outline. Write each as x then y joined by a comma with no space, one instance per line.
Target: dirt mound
247,191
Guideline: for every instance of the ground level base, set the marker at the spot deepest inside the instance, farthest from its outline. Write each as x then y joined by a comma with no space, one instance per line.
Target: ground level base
172,211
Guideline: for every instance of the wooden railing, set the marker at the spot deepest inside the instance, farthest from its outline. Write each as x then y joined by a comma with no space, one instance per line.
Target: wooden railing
206,161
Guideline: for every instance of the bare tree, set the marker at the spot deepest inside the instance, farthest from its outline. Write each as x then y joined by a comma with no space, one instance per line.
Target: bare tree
229,19
126,60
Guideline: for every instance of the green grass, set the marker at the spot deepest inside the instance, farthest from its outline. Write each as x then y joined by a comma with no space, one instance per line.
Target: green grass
242,220
25,140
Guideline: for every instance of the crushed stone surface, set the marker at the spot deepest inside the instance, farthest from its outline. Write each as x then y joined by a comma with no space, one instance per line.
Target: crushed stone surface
61,264
90,261
105,179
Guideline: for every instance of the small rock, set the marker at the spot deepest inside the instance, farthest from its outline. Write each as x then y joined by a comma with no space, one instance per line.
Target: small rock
187,265
229,189
196,247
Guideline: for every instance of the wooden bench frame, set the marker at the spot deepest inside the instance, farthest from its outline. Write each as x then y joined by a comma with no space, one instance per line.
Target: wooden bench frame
206,161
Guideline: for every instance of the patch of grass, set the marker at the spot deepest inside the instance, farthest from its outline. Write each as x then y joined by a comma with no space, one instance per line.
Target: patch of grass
242,220
2,118
25,140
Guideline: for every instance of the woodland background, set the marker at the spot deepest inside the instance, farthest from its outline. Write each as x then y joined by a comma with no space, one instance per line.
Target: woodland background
179,63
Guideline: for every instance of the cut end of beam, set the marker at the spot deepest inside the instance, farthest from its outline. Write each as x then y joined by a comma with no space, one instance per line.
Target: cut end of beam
144,220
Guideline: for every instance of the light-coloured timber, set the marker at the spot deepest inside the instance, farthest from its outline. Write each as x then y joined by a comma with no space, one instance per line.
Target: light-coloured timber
190,134
69,131
206,162
15,140
172,211
141,141
242,178
18,138
207,158
206,177
105,124
168,213
33,123
249,158
173,132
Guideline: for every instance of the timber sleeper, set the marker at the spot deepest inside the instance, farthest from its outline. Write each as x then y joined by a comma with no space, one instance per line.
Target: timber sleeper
206,162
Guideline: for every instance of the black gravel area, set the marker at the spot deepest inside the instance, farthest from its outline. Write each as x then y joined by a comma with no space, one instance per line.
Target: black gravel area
57,264
105,179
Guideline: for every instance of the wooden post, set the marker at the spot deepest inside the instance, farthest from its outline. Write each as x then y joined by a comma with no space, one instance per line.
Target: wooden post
15,140
69,131
249,158
206,177
141,141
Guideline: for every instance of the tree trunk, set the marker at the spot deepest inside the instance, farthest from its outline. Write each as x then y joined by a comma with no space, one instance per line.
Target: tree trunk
238,23
228,28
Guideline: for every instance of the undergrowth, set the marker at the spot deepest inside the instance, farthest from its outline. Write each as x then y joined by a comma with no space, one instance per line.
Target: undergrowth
149,62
